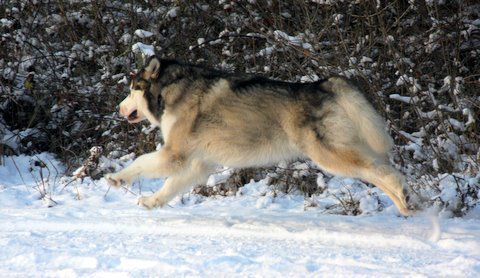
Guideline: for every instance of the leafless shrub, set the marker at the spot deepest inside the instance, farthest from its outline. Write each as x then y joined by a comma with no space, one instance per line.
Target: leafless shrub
418,61
229,187
348,204
46,178
288,179
90,166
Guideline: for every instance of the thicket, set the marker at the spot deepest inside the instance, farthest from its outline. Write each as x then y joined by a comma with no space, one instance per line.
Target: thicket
63,69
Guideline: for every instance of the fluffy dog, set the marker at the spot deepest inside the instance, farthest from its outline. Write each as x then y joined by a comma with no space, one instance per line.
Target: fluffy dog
210,118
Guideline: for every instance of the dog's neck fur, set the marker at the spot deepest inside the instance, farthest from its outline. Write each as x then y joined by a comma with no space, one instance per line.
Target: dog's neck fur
174,83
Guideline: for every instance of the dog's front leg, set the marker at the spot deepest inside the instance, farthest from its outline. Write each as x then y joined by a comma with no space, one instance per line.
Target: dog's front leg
197,173
157,164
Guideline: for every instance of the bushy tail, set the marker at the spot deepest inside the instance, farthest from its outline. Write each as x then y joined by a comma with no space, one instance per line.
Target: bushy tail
370,125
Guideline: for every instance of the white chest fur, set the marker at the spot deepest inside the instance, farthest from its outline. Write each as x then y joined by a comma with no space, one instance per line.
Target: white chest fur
167,122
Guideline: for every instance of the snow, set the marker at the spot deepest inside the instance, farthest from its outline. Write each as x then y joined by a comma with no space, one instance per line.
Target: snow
401,98
173,12
145,49
143,34
309,78
94,231
6,23
294,40
200,41
471,119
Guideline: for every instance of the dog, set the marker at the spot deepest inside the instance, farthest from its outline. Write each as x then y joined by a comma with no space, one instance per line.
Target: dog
210,118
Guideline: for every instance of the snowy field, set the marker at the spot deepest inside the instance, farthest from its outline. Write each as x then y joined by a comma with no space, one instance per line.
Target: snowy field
105,234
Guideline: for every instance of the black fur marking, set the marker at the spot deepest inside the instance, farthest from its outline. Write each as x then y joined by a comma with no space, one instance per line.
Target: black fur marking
140,83
314,123
287,88
155,105
172,72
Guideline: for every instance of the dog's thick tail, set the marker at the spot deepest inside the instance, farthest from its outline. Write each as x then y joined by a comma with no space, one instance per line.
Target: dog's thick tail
370,125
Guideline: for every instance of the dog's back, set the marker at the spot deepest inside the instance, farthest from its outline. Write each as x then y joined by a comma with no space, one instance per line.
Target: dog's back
253,121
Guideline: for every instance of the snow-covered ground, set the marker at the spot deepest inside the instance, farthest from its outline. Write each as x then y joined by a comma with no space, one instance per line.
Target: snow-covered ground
107,234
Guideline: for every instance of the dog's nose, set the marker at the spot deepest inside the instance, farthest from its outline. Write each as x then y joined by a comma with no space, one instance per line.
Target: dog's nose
122,111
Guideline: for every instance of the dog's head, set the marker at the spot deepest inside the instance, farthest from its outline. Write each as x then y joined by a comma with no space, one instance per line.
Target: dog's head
136,106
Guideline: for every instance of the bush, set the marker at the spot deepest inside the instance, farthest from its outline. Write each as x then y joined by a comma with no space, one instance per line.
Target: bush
64,64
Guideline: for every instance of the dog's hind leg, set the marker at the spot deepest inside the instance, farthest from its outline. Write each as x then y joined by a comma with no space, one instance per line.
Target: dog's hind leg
353,161
197,173
162,163
391,182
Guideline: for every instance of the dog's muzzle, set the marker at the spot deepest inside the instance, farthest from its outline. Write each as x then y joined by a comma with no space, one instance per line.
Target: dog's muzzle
131,115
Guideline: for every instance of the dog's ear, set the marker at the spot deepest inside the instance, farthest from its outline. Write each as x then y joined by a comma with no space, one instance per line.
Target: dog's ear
151,69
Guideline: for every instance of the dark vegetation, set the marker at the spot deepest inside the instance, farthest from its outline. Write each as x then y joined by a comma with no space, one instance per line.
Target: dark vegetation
63,64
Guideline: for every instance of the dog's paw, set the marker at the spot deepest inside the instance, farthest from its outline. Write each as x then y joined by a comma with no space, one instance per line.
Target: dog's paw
406,212
112,181
150,202
115,180
409,203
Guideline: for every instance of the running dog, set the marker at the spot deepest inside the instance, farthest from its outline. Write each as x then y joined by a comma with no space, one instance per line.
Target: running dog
210,118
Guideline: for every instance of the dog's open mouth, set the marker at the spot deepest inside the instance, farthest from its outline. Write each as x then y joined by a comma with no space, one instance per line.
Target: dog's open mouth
133,116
